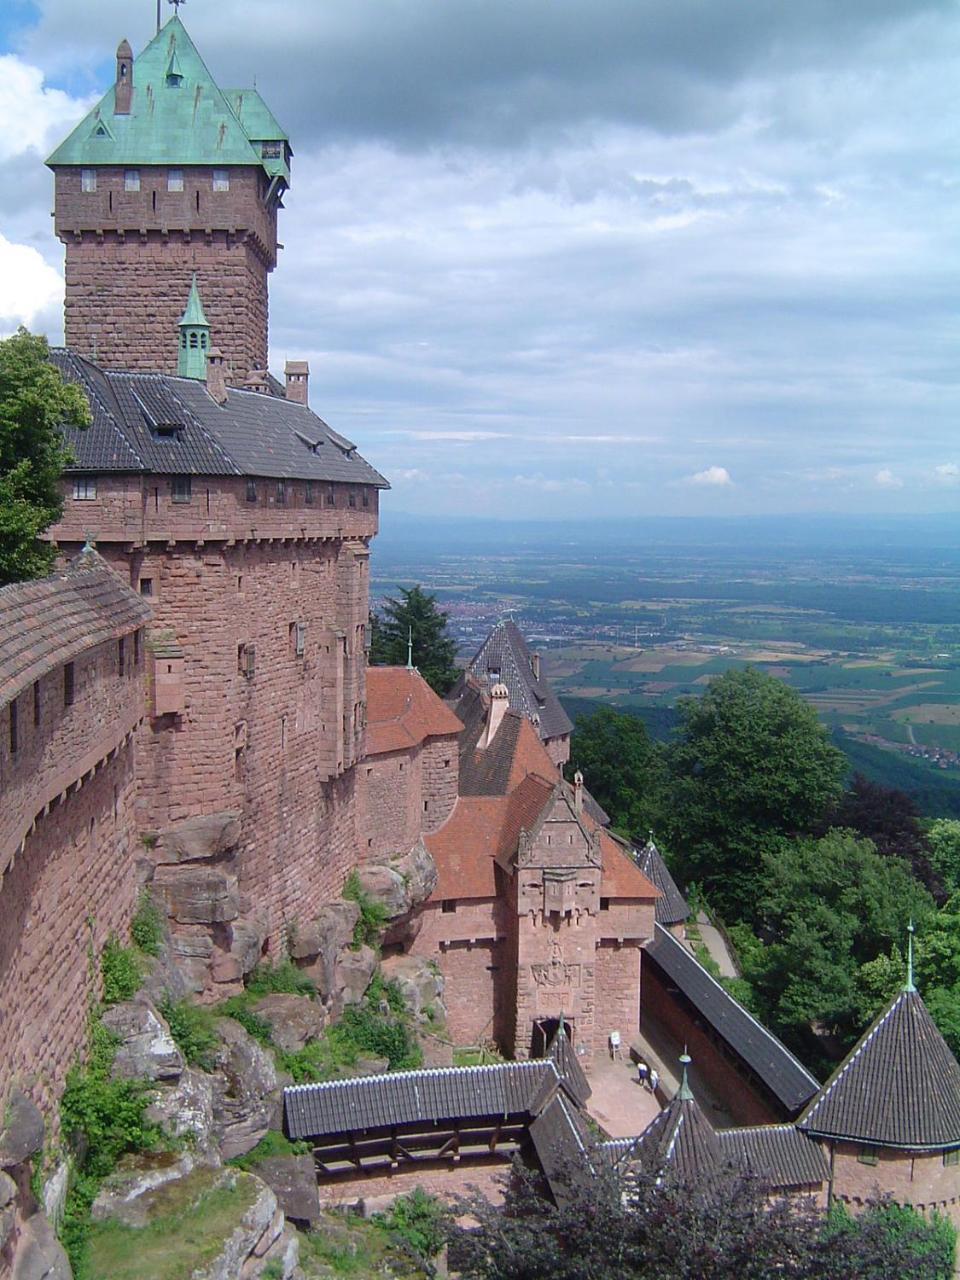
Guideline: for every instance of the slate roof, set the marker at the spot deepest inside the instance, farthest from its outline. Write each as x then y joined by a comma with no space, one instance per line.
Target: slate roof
561,1052
48,622
681,1138
402,711
563,1145
786,1078
898,1087
779,1154
251,434
191,123
428,1096
504,658
671,905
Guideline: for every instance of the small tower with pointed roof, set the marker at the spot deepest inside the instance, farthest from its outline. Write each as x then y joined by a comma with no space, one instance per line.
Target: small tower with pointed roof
194,337
889,1116
167,178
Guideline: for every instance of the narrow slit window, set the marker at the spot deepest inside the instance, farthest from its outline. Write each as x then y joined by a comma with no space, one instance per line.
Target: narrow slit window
69,685
14,728
37,705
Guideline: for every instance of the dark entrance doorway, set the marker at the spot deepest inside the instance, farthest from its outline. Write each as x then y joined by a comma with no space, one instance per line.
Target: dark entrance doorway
544,1029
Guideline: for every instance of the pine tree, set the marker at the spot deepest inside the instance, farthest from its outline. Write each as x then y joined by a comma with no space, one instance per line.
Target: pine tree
415,617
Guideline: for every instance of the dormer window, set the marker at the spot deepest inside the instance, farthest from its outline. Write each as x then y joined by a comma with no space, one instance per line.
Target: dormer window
88,180
272,150
131,179
174,179
171,431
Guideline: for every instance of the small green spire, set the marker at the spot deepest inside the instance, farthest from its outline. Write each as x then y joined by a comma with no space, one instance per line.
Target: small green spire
174,70
684,1093
908,985
194,337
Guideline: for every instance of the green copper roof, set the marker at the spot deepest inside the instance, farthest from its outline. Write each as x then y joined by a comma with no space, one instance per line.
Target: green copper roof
186,121
261,125
193,315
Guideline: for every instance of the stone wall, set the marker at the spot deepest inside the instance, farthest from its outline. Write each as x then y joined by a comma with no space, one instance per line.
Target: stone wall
71,886
746,1104
130,257
917,1178
439,780
469,944
618,993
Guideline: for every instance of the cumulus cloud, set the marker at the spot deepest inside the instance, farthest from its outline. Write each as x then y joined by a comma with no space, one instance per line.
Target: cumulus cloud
29,288
885,479
947,473
583,243
716,477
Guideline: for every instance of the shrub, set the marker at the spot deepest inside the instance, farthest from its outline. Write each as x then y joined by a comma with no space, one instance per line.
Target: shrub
285,977
273,1143
238,1008
120,971
147,927
102,1119
419,1219
373,914
193,1031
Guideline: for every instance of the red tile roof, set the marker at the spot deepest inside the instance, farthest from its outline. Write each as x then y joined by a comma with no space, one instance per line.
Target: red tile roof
403,711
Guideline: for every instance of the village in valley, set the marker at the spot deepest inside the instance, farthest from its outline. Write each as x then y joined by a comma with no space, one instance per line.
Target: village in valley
298,931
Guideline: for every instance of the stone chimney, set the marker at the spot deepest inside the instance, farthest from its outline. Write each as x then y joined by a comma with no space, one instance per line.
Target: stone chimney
578,792
123,91
216,375
297,374
499,705
535,665
256,380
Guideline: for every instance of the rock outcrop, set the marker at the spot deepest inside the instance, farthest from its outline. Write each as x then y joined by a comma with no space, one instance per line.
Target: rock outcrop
293,1020
420,982
147,1050
192,871
29,1249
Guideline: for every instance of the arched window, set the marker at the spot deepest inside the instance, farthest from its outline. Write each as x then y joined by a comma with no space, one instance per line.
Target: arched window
194,340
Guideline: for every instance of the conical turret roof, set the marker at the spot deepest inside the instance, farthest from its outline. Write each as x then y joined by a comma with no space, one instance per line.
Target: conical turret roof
193,315
898,1087
681,1139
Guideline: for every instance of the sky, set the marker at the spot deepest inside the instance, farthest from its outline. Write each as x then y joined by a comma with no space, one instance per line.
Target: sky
549,257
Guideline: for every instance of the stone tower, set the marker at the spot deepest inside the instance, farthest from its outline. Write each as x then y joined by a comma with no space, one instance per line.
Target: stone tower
167,178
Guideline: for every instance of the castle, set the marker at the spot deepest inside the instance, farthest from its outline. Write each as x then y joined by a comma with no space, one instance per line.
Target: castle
187,703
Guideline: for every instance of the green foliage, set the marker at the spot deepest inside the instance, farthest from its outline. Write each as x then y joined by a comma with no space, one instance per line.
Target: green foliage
419,1219
193,1031
621,767
147,929
273,1270
120,971
658,1228
826,908
373,914
752,763
284,977
101,1119
34,403
273,1143
943,842
238,1008
434,651
380,1026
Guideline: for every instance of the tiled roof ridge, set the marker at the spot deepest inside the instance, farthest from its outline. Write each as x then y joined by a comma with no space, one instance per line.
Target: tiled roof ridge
757,1023
426,1073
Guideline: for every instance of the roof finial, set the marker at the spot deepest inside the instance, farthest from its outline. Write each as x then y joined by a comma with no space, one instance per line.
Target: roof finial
684,1093
409,648
908,985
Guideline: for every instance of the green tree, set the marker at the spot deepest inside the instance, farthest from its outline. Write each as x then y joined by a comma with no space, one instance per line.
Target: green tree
621,767
943,842
752,763
415,615
35,403
657,1228
828,907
